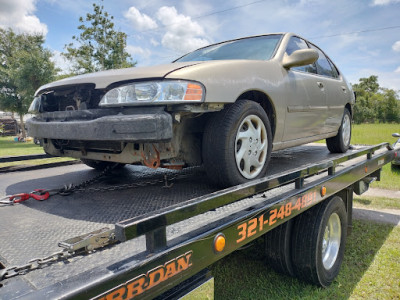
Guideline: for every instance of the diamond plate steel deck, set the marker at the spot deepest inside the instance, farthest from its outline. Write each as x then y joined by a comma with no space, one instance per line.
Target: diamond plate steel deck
34,228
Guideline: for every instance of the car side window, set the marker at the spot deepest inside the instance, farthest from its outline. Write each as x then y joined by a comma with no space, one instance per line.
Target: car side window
296,43
324,66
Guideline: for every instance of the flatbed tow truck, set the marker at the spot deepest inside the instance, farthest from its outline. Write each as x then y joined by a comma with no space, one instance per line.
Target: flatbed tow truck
142,233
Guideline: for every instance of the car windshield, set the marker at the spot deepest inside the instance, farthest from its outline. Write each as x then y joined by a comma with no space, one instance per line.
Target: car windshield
253,48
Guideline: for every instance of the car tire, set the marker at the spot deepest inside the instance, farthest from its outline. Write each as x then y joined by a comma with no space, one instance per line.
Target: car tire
101,165
278,248
341,142
237,144
318,239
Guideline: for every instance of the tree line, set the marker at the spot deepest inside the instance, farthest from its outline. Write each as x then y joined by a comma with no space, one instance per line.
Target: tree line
375,103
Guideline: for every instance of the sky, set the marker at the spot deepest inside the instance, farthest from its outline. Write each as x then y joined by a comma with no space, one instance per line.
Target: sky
362,37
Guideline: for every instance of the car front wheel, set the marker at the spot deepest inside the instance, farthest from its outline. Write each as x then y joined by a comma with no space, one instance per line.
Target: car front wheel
237,144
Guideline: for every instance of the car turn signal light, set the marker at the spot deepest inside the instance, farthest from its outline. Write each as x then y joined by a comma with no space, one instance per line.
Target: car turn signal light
194,92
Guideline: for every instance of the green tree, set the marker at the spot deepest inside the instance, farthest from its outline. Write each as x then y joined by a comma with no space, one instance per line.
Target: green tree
25,66
391,105
99,46
368,85
374,103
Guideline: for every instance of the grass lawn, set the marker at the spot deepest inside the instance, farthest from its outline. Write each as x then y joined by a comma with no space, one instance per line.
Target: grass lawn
8,147
372,134
370,270
376,202
390,179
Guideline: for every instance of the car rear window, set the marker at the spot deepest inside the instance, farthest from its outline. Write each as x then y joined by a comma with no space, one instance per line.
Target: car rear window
253,48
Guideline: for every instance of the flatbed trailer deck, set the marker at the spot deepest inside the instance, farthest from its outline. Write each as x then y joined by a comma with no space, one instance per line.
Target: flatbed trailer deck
167,231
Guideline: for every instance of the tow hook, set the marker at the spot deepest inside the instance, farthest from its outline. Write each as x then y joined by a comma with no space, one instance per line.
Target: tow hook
151,156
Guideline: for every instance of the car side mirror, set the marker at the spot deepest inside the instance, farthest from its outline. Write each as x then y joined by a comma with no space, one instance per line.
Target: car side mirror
299,58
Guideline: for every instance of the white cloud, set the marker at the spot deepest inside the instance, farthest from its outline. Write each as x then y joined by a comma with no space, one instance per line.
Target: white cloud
384,2
397,70
139,20
19,15
396,46
183,34
197,8
138,51
154,42
63,64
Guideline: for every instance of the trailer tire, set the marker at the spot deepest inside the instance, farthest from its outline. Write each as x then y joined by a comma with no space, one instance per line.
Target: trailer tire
341,142
101,165
237,144
278,248
318,239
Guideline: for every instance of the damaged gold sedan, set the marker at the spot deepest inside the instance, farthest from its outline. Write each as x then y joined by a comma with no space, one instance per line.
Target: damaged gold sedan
226,106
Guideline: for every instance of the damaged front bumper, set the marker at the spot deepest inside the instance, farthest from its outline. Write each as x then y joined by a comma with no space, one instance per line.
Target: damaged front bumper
151,124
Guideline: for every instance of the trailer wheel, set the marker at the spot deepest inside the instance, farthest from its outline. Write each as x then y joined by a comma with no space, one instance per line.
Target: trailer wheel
341,142
278,248
237,144
318,240
101,165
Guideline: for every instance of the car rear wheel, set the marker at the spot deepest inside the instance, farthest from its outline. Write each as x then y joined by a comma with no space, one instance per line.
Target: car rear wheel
341,142
237,144
101,165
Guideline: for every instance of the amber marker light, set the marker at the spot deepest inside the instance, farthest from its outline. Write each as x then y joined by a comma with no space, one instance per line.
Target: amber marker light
323,191
219,242
194,92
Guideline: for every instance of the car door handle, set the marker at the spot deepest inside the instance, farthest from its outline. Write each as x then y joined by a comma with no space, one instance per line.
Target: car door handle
320,84
344,89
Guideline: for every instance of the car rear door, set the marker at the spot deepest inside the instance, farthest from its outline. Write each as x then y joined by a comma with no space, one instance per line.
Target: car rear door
337,92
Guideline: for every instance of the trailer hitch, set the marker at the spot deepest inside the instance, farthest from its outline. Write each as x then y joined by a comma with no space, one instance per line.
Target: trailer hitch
362,186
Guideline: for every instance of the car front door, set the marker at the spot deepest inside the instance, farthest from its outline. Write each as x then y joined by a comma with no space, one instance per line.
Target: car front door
306,98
